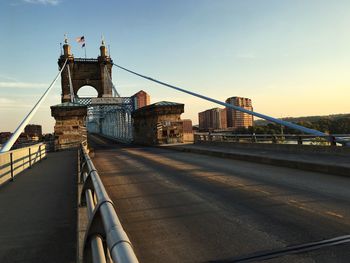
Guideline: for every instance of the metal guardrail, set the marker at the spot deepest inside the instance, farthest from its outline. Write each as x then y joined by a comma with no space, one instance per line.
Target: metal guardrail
105,237
15,161
275,138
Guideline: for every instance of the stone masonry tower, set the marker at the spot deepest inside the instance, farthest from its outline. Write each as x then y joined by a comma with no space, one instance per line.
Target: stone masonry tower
86,71
70,127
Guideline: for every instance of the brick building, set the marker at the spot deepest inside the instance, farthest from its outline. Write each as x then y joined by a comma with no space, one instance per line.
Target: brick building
212,119
237,119
141,99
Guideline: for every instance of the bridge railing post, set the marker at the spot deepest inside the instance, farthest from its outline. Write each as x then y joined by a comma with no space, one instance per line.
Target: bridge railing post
254,140
274,139
39,153
11,163
300,140
237,138
333,141
30,157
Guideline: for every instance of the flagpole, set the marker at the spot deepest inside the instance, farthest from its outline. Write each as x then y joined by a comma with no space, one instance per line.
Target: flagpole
84,45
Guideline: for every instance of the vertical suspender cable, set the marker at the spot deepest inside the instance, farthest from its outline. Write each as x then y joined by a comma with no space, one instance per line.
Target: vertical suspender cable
26,120
72,97
110,80
265,117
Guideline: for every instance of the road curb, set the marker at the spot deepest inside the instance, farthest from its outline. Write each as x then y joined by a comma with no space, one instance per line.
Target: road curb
307,166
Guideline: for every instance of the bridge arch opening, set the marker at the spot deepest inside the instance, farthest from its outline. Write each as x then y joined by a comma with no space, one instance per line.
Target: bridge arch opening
87,91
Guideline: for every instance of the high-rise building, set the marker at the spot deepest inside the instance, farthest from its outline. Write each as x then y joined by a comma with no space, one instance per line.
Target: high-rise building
212,119
141,99
237,119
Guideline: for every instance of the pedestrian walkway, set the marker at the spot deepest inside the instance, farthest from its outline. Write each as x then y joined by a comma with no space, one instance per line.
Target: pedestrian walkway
38,212
318,162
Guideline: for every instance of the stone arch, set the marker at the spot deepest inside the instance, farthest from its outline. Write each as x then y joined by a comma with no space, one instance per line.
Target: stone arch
86,88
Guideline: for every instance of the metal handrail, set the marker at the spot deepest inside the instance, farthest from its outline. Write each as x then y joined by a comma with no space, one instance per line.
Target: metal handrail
17,160
104,232
267,134
274,138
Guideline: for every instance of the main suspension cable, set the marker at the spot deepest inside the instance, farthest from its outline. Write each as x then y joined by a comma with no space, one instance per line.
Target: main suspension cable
263,116
26,120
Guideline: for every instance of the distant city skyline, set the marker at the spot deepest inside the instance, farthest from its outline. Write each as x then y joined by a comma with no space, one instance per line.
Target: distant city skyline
227,118
292,58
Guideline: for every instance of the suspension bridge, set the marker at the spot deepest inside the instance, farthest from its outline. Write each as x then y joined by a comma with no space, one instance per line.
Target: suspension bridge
100,197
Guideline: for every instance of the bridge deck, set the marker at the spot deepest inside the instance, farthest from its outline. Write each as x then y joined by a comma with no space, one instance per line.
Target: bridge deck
38,212
185,207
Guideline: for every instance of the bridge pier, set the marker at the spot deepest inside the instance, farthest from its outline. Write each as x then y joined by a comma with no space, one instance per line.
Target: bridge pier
70,129
158,123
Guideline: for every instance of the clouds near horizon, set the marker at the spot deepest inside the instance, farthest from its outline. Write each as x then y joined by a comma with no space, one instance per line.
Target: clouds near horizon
20,85
42,2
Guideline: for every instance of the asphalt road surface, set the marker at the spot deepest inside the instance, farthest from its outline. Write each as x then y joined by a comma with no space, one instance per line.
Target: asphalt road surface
184,207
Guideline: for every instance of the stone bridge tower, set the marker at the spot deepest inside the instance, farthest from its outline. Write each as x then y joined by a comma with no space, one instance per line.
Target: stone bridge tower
70,127
86,71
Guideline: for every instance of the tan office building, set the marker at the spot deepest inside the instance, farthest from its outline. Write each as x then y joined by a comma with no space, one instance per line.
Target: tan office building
212,119
237,119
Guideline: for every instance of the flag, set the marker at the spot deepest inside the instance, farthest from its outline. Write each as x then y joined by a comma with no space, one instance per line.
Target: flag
80,39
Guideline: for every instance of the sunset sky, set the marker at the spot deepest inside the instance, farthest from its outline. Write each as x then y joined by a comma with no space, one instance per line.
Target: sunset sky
292,58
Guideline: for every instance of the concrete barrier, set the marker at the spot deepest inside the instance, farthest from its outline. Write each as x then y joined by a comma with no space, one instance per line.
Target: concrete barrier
15,161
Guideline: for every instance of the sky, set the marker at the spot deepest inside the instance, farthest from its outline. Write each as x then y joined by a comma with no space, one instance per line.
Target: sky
292,58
